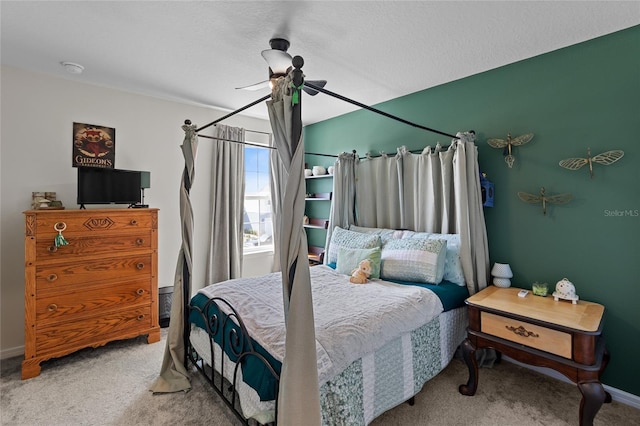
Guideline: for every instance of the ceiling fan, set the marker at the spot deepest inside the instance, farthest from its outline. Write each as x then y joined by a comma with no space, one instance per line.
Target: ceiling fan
279,62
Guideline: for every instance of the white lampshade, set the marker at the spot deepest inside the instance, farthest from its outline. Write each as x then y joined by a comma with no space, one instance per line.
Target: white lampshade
502,274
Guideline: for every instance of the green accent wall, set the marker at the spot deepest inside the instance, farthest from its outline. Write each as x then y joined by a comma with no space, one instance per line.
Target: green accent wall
579,97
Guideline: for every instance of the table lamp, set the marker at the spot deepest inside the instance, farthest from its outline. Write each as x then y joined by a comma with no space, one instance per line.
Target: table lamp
502,274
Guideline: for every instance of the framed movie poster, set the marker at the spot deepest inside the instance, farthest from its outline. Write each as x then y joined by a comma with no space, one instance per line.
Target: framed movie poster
94,146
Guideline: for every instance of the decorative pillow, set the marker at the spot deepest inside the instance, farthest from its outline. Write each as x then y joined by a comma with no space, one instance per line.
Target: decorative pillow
349,239
413,259
348,260
452,264
384,233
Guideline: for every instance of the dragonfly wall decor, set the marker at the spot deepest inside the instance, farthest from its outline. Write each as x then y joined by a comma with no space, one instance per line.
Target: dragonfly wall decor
606,158
507,144
544,199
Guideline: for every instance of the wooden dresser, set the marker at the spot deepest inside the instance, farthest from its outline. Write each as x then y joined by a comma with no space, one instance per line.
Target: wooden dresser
542,332
101,286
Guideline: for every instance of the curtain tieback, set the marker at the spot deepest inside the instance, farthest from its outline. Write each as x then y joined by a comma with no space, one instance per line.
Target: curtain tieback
295,96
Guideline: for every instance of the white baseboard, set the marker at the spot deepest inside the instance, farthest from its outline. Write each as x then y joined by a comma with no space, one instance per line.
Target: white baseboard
11,352
616,394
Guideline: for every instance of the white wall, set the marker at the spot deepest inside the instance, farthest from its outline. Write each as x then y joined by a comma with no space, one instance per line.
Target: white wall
37,114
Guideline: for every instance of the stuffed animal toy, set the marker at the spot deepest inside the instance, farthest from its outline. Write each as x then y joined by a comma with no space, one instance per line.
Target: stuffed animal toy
361,274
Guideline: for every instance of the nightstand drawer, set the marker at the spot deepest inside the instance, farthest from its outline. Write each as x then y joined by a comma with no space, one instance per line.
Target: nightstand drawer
535,336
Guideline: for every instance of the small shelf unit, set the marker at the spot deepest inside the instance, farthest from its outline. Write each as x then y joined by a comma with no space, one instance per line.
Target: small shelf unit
317,211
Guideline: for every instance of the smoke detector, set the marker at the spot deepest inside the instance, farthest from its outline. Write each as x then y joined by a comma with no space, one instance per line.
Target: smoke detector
72,67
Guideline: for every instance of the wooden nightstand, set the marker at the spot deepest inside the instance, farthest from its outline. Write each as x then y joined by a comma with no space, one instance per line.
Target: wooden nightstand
540,331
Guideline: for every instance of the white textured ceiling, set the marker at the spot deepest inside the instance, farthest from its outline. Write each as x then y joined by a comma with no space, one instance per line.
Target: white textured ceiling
370,51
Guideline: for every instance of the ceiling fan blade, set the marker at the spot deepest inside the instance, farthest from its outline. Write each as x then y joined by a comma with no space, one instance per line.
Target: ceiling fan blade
257,86
278,60
311,92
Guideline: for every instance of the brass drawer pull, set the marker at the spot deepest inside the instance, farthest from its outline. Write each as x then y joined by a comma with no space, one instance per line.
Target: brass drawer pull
140,266
521,331
140,317
52,249
140,292
140,241
134,222
52,307
52,277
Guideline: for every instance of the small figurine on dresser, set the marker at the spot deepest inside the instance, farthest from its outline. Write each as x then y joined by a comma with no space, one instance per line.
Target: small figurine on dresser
45,201
565,290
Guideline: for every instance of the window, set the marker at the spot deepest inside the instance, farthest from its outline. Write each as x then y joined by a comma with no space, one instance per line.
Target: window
258,228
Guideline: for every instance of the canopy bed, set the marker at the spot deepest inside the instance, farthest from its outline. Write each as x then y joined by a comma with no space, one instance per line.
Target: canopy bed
305,346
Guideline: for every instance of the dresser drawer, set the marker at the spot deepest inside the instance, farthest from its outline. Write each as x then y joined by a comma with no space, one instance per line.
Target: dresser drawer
99,222
534,336
52,277
87,245
93,330
75,304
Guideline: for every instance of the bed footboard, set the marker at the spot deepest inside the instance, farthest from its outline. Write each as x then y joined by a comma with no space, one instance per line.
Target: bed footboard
229,335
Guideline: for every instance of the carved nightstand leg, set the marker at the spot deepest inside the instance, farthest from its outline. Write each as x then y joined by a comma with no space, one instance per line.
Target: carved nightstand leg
469,355
593,396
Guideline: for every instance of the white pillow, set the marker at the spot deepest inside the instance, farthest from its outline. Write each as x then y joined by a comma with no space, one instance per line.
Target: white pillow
349,239
413,259
384,233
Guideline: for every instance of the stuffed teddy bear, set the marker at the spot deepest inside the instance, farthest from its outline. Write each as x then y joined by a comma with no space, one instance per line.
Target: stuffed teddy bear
361,274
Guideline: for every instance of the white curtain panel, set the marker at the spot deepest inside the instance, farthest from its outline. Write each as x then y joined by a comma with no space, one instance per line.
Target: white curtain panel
224,256
277,176
299,397
378,196
428,190
344,194
173,374
474,249
435,191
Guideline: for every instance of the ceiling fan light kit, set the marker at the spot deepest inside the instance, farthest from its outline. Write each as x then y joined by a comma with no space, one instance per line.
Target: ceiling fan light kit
280,63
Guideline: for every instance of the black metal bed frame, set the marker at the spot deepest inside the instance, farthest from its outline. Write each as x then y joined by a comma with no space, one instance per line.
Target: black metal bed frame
239,342
236,343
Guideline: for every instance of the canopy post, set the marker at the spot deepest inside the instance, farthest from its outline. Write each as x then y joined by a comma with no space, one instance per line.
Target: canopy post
298,82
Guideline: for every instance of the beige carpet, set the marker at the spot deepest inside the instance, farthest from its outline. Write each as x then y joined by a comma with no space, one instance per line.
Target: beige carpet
108,386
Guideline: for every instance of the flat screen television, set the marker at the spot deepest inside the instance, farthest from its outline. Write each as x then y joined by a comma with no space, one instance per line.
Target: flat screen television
108,186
